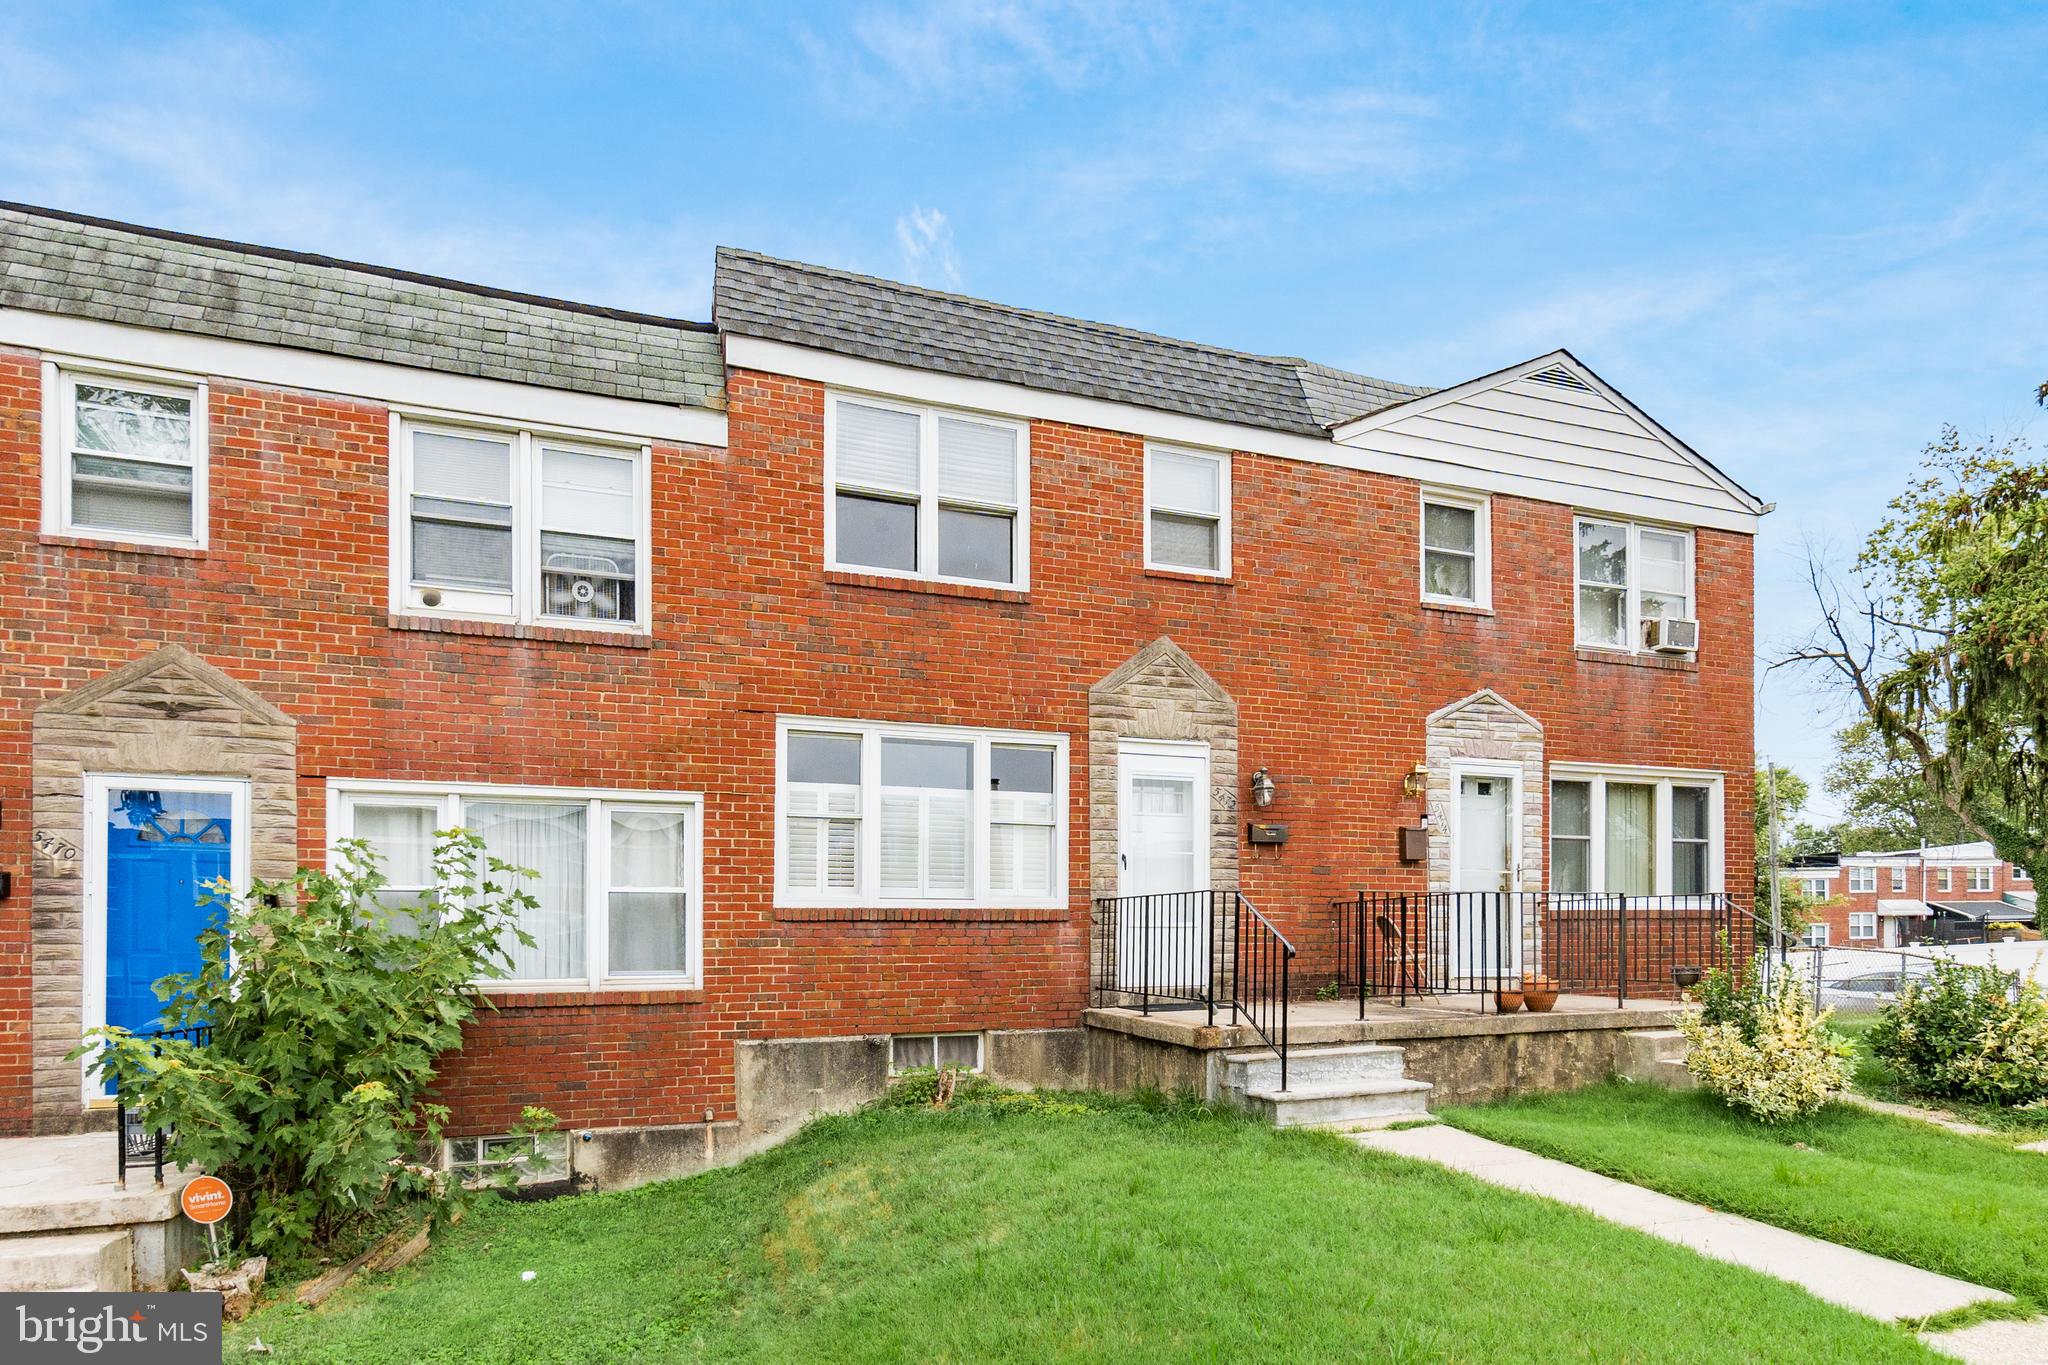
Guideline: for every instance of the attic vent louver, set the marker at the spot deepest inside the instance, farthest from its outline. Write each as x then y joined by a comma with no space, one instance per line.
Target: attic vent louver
1562,377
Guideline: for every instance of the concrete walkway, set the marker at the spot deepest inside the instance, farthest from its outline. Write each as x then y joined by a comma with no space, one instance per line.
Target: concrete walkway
1856,1280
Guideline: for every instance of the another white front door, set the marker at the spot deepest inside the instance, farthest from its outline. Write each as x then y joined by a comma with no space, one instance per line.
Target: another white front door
1163,939
1486,930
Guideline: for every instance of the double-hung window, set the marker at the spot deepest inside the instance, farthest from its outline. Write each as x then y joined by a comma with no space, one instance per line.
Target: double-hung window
1637,833
899,815
926,493
1981,878
1629,576
1947,880
520,526
128,461
1863,924
615,877
1862,878
1187,511
1456,550
1899,878
1817,934
1814,888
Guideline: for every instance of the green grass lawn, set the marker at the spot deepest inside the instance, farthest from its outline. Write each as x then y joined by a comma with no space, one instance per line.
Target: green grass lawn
1114,1232
1964,1206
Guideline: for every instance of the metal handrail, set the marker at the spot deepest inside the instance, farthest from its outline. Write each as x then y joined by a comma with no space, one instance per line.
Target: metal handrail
135,1140
1266,947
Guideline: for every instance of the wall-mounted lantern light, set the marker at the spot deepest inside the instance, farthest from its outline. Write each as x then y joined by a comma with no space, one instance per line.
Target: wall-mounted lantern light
1263,789
1415,781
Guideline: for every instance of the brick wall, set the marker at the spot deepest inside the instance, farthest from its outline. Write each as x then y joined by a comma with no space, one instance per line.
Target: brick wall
1318,638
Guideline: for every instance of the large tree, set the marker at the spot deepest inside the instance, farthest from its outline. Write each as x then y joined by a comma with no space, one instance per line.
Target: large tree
1942,642
1885,801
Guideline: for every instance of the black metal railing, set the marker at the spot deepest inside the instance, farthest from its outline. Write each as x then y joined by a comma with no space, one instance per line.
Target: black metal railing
1261,978
1194,949
135,1139
1402,945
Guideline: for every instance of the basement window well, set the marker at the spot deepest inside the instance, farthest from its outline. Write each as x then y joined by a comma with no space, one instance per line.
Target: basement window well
960,1051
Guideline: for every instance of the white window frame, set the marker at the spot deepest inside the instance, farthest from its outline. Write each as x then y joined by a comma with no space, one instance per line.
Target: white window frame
1662,780
1633,588
345,794
1984,873
478,1169
1482,544
867,879
928,491
1948,879
1863,925
1816,935
1862,879
1814,888
526,598
1219,458
980,1049
61,378
2019,874
1898,872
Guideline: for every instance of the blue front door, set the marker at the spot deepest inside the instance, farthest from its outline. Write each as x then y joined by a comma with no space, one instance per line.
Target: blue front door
164,849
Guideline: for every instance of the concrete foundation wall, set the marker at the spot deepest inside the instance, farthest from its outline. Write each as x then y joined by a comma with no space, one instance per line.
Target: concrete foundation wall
1483,1067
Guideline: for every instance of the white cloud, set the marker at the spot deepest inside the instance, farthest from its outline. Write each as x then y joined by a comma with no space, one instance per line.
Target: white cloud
925,238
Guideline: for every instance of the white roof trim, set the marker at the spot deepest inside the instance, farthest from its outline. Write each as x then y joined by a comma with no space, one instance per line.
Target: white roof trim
1348,431
910,384
64,338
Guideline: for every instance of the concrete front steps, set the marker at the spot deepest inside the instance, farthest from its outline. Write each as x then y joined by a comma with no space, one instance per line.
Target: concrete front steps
1348,1086
1654,1057
77,1262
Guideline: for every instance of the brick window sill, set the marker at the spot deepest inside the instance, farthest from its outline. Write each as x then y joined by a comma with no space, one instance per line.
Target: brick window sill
508,630
1181,576
882,582
1457,608
870,914
1688,664
126,547
531,1000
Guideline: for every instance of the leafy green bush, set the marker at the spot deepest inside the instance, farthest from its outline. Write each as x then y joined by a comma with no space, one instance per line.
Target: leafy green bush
922,1088
1759,1046
310,1096
1968,1033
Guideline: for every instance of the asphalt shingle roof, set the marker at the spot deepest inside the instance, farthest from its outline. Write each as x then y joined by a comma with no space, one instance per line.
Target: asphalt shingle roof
56,262
927,329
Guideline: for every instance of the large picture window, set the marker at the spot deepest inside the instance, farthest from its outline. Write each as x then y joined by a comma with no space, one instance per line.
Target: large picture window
129,462
892,815
1637,833
520,526
615,876
926,493
1628,576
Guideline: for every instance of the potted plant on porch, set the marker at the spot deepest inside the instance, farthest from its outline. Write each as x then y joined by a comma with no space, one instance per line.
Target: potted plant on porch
1539,992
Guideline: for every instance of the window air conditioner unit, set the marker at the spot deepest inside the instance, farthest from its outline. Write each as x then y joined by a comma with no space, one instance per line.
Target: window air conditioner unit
1671,635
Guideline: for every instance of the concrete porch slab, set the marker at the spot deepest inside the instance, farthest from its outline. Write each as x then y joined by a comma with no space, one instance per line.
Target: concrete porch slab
1314,1022
53,1183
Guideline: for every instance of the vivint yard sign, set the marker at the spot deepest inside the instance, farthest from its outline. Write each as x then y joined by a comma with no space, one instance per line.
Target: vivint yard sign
162,1329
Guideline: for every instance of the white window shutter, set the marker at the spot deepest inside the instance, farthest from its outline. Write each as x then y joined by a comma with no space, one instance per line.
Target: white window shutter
977,462
902,853
946,854
877,447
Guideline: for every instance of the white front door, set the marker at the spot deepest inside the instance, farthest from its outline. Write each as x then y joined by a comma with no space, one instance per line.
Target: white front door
1163,938
1486,930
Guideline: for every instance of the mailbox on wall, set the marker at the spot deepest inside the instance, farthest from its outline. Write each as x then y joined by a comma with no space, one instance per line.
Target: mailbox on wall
1414,843
1257,833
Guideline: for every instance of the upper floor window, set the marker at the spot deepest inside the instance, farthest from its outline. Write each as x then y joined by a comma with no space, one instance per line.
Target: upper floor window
1814,888
1456,550
2020,874
1187,511
130,461
1898,879
1982,878
912,815
926,493
1638,834
1629,579
521,526
1862,878
614,876
1946,878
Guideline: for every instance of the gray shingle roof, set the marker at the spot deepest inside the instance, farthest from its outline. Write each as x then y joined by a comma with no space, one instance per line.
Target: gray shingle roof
56,262
901,324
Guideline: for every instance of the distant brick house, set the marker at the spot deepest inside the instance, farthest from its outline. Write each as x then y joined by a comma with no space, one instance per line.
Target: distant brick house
1915,895
826,660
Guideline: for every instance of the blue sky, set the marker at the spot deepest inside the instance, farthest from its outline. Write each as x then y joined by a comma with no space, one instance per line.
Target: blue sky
1802,235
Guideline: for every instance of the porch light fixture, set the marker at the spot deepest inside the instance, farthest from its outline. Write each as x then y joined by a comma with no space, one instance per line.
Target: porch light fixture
1263,789
1415,780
